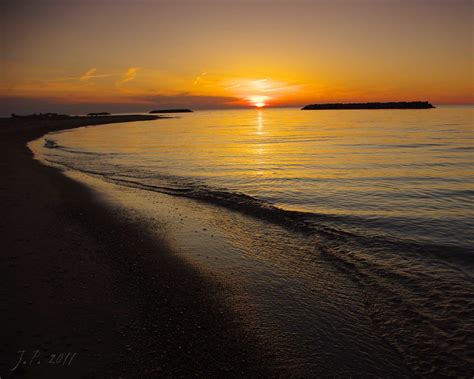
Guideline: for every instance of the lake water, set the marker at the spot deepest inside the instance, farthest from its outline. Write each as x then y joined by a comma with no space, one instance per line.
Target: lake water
401,174
365,220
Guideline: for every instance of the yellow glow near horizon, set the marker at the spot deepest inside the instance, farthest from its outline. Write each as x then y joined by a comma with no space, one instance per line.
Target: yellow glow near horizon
258,101
306,52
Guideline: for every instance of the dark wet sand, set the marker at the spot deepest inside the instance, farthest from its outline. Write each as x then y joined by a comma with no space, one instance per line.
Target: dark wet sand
79,278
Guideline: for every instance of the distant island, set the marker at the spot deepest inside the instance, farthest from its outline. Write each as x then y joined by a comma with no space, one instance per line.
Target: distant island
171,111
389,105
95,114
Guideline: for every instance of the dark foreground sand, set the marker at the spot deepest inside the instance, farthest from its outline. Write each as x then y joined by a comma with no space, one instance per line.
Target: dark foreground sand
88,293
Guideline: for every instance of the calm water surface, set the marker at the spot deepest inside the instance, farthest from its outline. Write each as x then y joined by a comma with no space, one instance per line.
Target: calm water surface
404,174
360,255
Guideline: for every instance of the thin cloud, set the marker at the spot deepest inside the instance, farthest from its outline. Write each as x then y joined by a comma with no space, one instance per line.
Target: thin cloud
88,75
233,86
129,75
199,78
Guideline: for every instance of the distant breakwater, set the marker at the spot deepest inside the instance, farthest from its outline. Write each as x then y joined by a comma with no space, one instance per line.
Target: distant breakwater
389,105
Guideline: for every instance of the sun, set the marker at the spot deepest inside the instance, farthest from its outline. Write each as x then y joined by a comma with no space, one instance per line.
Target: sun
258,101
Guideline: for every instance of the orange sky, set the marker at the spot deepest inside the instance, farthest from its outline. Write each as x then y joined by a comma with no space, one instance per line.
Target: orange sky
80,56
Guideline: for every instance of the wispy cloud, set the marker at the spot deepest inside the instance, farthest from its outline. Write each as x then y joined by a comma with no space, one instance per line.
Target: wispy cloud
130,74
232,86
85,77
91,74
199,78
88,75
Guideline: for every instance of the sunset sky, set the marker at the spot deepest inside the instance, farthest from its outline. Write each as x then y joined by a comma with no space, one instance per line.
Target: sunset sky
123,55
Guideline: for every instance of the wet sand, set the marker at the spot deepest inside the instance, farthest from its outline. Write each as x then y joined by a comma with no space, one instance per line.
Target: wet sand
86,292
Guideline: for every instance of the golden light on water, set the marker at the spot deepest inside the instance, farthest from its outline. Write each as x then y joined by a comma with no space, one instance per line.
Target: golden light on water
260,122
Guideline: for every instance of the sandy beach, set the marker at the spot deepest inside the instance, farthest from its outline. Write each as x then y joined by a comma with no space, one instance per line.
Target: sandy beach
89,293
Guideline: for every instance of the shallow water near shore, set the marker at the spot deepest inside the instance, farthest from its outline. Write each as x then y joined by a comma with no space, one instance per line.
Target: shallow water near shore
345,235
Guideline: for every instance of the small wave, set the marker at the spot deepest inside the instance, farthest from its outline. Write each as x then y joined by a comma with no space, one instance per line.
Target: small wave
391,146
343,228
462,148
304,222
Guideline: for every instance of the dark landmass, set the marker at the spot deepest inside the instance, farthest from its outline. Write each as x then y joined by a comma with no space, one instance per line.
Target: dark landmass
99,114
78,276
171,111
390,105
42,116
